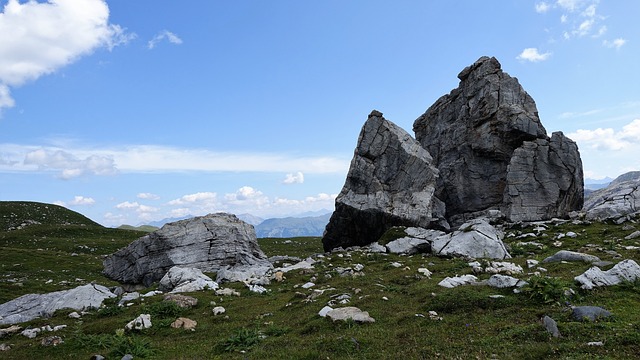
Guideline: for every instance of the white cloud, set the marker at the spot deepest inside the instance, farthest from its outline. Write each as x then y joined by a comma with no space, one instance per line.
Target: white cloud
564,18
608,138
570,5
617,43
165,34
297,178
75,161
195,198
542,7
148,196
81,200
69,165
143,212
38,38
584,28
127,205
532,54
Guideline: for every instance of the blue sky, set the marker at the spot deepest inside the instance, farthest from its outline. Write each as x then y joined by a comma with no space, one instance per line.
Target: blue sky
134,111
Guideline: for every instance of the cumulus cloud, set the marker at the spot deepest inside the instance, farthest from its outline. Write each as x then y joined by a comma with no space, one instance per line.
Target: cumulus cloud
607,138
164,35
533,55
201,197
148,196
81,200
570,5
297,178
68,165
616,44
38,38
143,212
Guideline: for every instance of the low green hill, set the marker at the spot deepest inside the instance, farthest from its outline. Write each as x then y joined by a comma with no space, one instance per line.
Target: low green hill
145,228
18,214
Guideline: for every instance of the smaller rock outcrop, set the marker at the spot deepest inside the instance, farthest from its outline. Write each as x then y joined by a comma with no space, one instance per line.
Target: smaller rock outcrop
179,279
208,243
618,200
626,270
391,182
32,306
474,239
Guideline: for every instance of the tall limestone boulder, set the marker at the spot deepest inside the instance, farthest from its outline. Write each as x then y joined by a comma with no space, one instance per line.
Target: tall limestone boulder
473,134
391,182
209,243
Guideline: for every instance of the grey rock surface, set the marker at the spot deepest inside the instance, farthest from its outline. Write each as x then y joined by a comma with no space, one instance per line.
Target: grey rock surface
32,306
408,246
504,281
620,198
208,243
626,270
349,312
181,279
551,326
391,182
473,134
589,313
474,239
566,255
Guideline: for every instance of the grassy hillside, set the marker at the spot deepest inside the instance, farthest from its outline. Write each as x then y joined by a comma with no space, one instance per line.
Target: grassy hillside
145,228
283,323
15,214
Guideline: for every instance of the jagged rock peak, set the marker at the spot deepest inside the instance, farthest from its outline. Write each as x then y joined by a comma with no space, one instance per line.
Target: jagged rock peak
472,134
390,182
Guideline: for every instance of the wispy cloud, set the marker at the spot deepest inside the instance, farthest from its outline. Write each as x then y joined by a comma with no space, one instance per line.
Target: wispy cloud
148,196
533,55
164,35
570,115
616,44
70,161
297,178
542,7
52,35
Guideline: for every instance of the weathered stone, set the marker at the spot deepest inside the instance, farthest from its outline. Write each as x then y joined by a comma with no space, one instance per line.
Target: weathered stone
324,311
626,270
391,182
350,312
474,239
504,281
551,326
227,292
589,313
183,279
10,330
565,255
451,282
218,310
184,323
408,246
143,321
182,301
472,134
51,341
305,264
621,198
209,243
32,306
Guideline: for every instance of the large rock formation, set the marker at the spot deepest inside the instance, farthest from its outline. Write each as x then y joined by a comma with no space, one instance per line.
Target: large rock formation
209,243
493,153
618,200
391,182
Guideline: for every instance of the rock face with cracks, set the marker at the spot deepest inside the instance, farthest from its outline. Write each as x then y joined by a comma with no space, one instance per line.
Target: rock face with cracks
492,151
391,182
619,199
208,243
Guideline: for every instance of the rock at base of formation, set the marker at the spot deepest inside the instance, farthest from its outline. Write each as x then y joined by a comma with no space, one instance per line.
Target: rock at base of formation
208,243
391,182
474,239
32,306
619,199
493,153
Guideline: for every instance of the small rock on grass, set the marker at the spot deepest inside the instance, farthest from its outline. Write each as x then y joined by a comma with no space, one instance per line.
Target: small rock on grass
350,312
551,326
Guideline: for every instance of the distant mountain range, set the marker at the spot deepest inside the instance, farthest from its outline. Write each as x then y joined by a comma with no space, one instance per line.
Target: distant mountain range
306,224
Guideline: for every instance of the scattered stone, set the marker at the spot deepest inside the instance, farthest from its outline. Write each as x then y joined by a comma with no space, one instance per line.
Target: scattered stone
425,272
184,323
307,285
626,270
279,276
51,341
182,301
633,235
408,246
182,279
350,312
97,357
210,243
9,331
589,313
595,343
32,306
565,255
127,357
434,315
451,282
5,347
257,289
31,333
396,264
218,310
474,239
358,267
127,297
143,321
227,292
532,263
551,326
504,281
305,264
324,311
375,247
152,293
496,267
